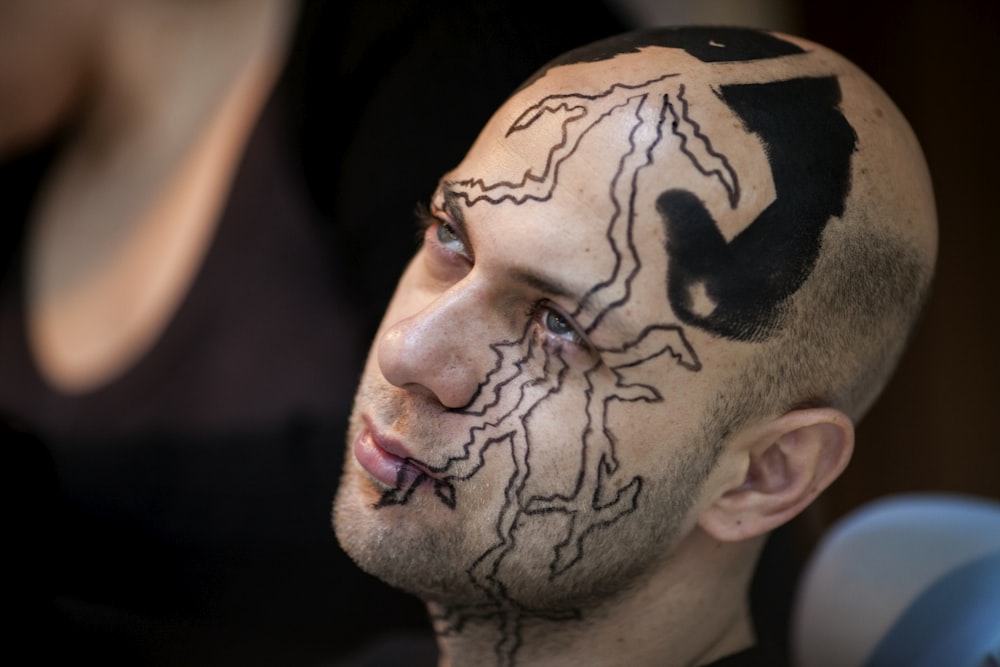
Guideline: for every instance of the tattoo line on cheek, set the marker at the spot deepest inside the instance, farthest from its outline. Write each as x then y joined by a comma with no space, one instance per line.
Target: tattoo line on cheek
527,372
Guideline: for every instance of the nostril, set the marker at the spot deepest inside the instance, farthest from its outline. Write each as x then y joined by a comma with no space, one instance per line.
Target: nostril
412,357
395,358
457,385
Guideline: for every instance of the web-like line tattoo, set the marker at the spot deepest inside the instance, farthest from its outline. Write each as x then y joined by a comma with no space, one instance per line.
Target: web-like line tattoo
527,371
539,185
694,144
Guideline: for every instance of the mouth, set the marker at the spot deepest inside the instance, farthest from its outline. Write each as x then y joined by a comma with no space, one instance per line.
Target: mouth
388,463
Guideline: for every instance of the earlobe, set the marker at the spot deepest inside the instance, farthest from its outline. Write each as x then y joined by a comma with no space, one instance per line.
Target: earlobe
787,462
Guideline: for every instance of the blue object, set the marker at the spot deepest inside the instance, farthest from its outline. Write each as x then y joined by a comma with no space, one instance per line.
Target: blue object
955,622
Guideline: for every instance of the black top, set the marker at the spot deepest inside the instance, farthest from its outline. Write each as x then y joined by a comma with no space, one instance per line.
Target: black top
265,334
758,656
419,650
196,488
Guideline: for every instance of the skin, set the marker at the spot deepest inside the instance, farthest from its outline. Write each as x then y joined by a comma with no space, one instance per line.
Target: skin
160,97
537,448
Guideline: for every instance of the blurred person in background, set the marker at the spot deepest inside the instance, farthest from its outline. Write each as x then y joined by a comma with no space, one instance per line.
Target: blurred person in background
189,282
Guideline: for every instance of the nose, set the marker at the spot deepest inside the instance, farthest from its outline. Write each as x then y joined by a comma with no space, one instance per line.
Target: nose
443,350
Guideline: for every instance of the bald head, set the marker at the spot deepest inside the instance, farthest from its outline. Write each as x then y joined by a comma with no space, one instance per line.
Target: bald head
670,268
796,209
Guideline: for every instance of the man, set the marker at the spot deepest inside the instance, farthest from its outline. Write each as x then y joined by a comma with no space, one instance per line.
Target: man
671,273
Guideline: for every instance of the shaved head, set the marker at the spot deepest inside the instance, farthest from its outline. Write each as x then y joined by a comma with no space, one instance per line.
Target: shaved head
672,269
850,234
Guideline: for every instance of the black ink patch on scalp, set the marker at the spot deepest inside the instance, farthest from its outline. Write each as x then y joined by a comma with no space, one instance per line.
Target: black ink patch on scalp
736,289
706,43
809,144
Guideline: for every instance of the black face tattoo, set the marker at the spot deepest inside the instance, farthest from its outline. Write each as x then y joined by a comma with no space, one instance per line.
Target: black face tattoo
808,145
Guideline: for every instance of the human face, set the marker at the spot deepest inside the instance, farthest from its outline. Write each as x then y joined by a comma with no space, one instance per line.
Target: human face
523,433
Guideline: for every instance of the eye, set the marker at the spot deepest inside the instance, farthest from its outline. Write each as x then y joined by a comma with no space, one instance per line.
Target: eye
558,325
449,239
561,327
448,255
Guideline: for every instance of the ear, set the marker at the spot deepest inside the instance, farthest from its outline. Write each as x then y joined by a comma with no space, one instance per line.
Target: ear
784,464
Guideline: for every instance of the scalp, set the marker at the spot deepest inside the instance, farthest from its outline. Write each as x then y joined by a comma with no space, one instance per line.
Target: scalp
819,294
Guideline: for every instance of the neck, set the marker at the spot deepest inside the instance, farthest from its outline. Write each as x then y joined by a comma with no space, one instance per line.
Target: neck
127,213
174,78
691,611
167,66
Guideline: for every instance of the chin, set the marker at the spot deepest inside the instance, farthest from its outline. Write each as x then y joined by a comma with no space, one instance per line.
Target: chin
438,555
421,547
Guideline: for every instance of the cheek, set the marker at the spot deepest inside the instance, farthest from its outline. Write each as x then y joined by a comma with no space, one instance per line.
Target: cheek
639,437
570,432
558,437
647,436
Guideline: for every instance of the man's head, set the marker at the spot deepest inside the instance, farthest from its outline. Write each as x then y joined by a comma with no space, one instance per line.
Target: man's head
668,275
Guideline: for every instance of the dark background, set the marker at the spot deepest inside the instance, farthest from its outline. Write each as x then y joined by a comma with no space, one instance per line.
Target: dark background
935,427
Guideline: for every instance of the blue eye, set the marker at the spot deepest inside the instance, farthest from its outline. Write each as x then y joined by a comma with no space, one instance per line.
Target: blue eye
447,237
560,326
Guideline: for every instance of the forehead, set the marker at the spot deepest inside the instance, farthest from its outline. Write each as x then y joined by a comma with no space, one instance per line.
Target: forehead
735,167
567,174
653,119
589,130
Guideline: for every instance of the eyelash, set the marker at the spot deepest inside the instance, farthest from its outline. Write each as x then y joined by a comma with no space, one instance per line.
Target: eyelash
428,222
539,313
426,218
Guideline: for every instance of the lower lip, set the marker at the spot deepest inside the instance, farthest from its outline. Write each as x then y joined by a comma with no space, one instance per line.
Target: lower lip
379,463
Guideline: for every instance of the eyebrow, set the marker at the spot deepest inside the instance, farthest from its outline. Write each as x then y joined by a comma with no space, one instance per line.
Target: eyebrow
547,285
451,206
588,303
523,276
583,303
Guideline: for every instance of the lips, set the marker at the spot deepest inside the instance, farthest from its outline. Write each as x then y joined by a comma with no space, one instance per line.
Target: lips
391,469
395,469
